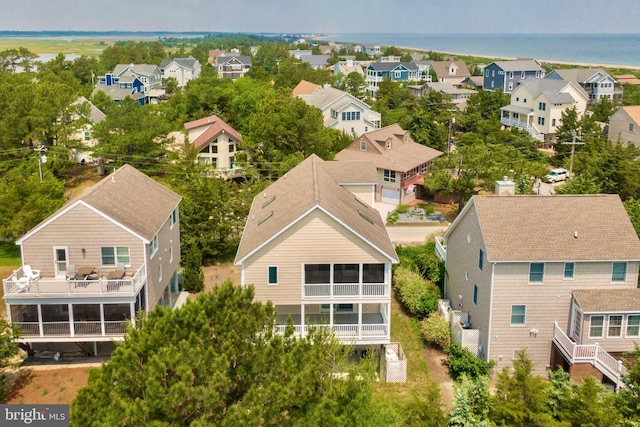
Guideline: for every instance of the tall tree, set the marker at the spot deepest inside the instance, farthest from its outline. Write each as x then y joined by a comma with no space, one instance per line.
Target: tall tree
216,361
471,403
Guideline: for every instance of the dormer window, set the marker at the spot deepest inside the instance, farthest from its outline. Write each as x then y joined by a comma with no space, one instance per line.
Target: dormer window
389,145
406,137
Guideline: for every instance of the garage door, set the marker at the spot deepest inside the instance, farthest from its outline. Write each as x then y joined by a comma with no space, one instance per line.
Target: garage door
391,196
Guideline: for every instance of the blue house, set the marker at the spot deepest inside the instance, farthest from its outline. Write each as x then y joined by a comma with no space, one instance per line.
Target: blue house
404,72
506,75
118,88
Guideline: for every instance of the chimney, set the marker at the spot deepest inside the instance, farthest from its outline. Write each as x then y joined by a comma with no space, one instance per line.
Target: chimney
505,187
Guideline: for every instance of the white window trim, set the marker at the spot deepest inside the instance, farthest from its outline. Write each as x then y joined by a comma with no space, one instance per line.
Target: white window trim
622,328
573,273
269,267
524,323
626,269
626,326
543,271
154,246
591,323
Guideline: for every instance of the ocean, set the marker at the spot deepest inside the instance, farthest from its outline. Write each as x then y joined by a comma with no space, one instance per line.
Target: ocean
594,49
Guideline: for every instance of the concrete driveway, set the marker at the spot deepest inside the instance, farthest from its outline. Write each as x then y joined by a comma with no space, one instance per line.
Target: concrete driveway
406,235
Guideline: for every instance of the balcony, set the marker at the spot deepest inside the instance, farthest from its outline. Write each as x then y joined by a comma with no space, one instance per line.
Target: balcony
99,284
441,248
30,331
373,328
346,290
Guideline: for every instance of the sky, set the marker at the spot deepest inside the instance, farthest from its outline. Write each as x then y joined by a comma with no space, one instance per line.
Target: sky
328,16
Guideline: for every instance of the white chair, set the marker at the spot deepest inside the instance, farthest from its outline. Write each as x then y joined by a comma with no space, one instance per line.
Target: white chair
29,273
71,272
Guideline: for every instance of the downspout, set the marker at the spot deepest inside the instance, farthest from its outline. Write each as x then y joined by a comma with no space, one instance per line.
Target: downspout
493,267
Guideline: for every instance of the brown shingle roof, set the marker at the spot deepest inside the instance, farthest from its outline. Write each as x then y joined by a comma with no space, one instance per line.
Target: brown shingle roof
442,69
633,111
305,88
310,186
403,155
130,198
609,300
543,228
215,126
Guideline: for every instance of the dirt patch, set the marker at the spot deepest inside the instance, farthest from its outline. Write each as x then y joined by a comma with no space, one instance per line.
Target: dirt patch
215,275
437,361
49,386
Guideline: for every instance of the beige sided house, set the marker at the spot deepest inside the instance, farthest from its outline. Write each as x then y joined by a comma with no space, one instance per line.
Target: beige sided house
624,125
400,161
217,145
92,265
320,253
549,274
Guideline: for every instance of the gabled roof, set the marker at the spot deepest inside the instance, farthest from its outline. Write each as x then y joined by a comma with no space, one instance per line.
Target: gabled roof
633,111
189,62
581,227
522,65
315,60
142,69
583,75
345,173
613,300
403,155
128,197
553,90
214,127
95,114
305,88
390,66
306,187
226,58
442,69
329,96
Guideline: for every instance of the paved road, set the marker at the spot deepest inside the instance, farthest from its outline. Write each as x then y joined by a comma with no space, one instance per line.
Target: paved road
413,235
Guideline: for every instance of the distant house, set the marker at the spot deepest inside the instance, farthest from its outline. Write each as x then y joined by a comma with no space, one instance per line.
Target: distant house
537,105
320,253
403,72
340,109
316,61
453,72
217,145
596,82
232,66
84,133
458,96
347,67
213,54
371,49
506,75
424,70
142,82
624,125
182,69
474,82
299,53
535,273
400,162
91,267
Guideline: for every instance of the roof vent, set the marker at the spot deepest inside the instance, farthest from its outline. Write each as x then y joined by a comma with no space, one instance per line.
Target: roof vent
575,234
113,178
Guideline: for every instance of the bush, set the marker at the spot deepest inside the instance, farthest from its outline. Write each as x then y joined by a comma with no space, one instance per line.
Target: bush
435,329
423,259
402,209
419,296
462,361
393,217
193,275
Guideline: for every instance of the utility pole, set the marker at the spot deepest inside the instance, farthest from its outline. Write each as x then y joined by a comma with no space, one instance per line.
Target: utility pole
573,147
452,120
41,159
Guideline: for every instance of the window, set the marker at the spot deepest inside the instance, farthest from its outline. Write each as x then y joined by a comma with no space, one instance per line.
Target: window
553,122
388,145
346,273
542,106
317,273
524,100
389,176
486,73
493,73
115,255
170,254
373,273
273,275
633,325
480,259
475,294
510,85
569,268
518,314
517,99
214,148
231,160
398,74
510,74
541,121
153,246
619,272
232,147
615,326
174,217
630,128
536,272
522,74
363,145
87,134
596,326
160,272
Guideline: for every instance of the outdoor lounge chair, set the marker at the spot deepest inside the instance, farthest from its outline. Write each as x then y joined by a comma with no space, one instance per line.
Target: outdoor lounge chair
29,273
71,272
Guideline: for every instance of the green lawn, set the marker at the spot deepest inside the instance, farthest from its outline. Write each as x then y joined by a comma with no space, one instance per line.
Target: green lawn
9,255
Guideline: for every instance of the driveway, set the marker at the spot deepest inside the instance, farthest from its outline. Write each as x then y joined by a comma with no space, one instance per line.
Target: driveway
405,235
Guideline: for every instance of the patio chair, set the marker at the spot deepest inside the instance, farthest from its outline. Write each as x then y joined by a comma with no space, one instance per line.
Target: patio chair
29,273
71,272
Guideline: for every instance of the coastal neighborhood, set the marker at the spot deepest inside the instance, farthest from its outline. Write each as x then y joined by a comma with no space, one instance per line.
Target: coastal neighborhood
276,229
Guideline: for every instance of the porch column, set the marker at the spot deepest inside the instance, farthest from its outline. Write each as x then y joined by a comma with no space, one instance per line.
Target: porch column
72,324
359,320
331,315
102,320
302,331
132,313
387,327
40,320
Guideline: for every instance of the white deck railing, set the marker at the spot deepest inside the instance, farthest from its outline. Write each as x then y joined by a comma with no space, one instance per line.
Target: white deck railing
347,332
80,328
346,290
590,353
441,249
49,286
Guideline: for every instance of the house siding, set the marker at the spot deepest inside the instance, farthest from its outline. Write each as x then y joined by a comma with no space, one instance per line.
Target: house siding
285,252
619,128
167,237
364,192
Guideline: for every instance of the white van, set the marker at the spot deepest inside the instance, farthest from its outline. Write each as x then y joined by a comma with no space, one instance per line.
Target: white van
556,175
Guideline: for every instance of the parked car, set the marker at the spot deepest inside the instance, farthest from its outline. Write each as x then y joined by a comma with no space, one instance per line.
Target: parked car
556,175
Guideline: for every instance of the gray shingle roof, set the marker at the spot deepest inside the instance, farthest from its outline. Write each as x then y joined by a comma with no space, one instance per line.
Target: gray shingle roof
581,75
309,186
528,65
608,301
552,89
543,228
389,66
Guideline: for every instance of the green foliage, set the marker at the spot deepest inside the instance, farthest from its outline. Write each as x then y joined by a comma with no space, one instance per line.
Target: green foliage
424,260
424,410
628,398
471,403
435,329
630,94
402,209
463,362
215,361
419,296
633,210
8,349
520,398
589,404
193,274
580,184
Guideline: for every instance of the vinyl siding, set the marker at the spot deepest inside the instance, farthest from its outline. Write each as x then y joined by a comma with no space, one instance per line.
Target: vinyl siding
315,239
619,128
610,344
167,237
364,192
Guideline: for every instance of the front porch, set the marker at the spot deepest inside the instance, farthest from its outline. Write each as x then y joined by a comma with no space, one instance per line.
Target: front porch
521,118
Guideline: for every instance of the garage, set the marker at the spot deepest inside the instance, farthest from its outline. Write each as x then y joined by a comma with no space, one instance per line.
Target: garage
390,196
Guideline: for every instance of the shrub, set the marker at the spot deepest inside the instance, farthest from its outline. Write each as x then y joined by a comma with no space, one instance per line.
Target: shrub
402,209
462,361
435,329
429,209
393,217
193,275
423,259
419,296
